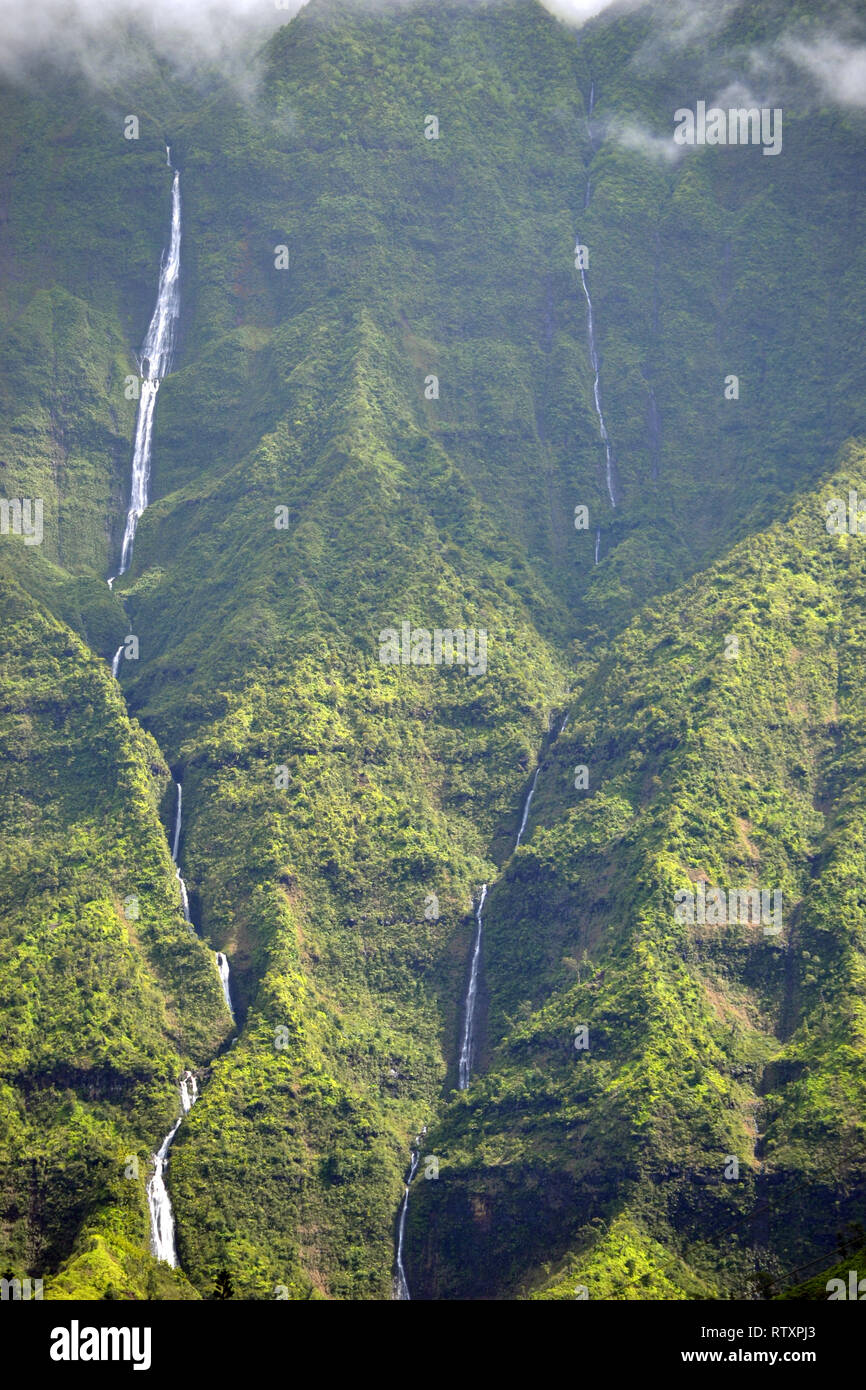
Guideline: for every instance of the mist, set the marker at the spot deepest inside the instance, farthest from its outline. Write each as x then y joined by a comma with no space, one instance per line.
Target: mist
87,35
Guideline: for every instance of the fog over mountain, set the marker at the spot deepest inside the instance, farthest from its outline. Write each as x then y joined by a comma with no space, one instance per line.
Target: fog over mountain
432,725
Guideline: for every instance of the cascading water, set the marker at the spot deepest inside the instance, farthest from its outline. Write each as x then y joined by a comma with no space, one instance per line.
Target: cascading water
465,1063
526,808
610,470
464,1066
178,815
188,1091
223,968
222,964
597,542
155,363
401,1286
158,1201
184,896
596,390
156,357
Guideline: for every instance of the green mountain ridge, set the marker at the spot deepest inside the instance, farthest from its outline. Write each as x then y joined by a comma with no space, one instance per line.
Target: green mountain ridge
341,814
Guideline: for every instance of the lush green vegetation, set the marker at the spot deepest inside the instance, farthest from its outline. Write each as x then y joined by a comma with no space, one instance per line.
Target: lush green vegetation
328,797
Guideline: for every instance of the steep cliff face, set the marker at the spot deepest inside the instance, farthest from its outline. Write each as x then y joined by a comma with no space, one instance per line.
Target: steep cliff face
385,411
671,1080
106,995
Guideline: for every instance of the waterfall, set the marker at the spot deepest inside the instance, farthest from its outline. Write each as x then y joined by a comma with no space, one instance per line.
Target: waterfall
223,968
597,542
115,663
401,1289
156,356
464,1066
184,896
610,472
526,808
188,1092
222,964
158,1200
564,724
465,1062
596,390
177,819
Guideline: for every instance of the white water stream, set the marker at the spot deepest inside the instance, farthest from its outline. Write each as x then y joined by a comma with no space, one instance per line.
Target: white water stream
158,1201
223,968
155,364
184,896
596,391
401,1289
526,807
464,1065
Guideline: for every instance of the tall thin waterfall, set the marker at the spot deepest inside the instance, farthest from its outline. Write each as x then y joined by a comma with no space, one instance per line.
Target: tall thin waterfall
178,816
596,391
465,1063
223,968
158,1201
155,363
610,470
526,807
401,1290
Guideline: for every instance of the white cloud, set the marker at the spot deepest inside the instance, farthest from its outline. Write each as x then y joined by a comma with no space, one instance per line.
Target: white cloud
839,68
89,34
82,32
645,142
575,11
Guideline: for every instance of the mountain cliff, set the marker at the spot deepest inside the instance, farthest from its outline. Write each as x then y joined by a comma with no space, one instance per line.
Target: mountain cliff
384,410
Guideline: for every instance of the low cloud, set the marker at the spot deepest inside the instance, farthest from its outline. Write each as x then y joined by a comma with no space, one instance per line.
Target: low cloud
645,142
575,11
838,68
90,35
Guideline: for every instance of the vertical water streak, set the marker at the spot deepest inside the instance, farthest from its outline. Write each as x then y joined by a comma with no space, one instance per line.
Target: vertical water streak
156,356
465,1062
177,819
401,1290
178,816
597,542
158,1201
223,968
526,808
596,389
188,1091
115,662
